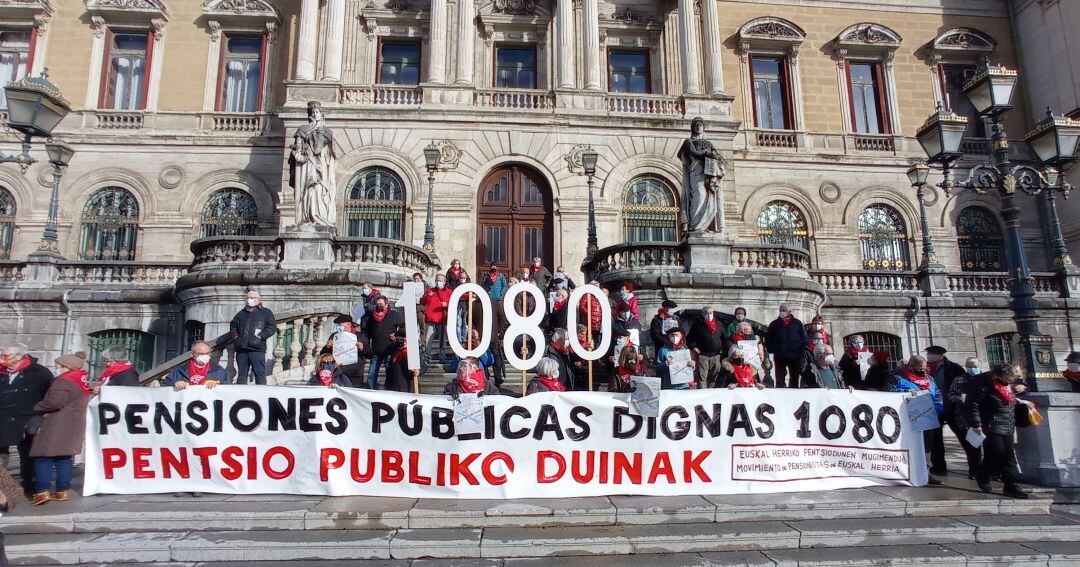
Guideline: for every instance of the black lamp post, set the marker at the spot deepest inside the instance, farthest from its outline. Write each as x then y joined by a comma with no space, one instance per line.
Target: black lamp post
431,161
35,107
917,174
60,154
588,163
1054,141
990,92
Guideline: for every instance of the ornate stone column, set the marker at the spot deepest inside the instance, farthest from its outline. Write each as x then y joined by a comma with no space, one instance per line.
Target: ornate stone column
714,71
308,40
564,28
690,48
334,47
466,36
437,43
592,53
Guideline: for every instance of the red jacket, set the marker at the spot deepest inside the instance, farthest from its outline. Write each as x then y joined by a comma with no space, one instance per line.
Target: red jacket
583,310
435,302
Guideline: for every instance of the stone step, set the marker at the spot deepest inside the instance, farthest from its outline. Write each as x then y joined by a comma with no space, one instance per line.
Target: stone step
905,541
120,513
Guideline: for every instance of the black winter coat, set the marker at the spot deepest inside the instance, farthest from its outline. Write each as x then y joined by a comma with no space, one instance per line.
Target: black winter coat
563,358
984,407
128,377
849,368
250,328
378,333
947,371
786,342
17,400
878,379
706,341
656,333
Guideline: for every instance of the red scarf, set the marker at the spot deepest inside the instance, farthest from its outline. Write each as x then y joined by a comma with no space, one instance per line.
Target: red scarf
1070,375
920,380
559,305
739,337
472,383
787,320
625,373
744,374
113,370
196,373
78,377
380,315
855,351
552,384
534,269
326,376
712,325
399,355
493,276
560,347
1004,391
22,366
455,274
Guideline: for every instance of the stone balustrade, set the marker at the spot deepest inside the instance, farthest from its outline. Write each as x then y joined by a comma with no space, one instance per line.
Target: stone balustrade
869,143
114,120
381,95
128,273
299,340
12,271
243,251
646,257
755,256
775,139
235,122
383,251
1045,283
515,99
644,104
867,281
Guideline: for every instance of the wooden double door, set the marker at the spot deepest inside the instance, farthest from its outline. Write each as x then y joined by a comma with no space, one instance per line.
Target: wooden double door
514,223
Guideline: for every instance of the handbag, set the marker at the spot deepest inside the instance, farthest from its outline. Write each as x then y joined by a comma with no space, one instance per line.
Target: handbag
1023,415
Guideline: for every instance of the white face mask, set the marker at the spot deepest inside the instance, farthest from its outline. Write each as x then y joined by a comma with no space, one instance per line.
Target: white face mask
536,264
708,316
739,316
440,285
817,326
783,314
1073,366
976,371
818,341
252,302
340,328
830,359
202,359
555,375
857,344
366,291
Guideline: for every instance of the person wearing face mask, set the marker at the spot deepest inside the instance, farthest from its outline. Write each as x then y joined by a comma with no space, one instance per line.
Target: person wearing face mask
817,325
786,339
347,351
707,340
849,363
1072,370
736,372
626,302
494,283
25,386
822,372
381,322
540,274
469,378
364,307
250,329
557,318
663,320
990,408
546,378
200,370
630,363
398,374
880,377
913,378
676,342
955,396
560,274
435,302
454,273
740,316
118,369
558,349
328,373
816,339
62,430
944,372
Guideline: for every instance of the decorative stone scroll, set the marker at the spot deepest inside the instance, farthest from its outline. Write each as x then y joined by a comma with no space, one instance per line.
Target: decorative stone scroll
869,34
964,39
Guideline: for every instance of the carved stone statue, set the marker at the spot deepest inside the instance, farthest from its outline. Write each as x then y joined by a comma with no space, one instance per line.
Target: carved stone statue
702,201
312,179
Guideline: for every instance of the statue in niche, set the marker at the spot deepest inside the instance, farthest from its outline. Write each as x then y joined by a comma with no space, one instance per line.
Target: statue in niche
313,181
702,202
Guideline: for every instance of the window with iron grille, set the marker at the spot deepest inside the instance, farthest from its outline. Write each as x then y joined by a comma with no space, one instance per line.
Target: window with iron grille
7,222
375,207
782,224
229,212
139,347
194,331
982,246
883,238
110,225
650,211
1002,348
14,57
882,341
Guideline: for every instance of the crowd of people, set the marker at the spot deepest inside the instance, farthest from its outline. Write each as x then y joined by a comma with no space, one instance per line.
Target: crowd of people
42,412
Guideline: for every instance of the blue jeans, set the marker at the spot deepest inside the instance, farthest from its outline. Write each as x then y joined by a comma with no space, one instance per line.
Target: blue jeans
43,473
373,370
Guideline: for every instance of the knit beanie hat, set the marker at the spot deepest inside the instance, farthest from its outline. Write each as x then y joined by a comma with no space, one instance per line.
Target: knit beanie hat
73,361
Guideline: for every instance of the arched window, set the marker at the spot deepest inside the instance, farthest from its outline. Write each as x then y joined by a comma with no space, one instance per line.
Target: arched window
650,212
982,246
883,238
7,223
230,212
1002,348
882,341
139,347
375,207
194,331
782,224
110,225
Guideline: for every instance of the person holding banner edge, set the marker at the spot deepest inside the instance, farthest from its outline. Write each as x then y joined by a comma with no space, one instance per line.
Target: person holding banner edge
913,379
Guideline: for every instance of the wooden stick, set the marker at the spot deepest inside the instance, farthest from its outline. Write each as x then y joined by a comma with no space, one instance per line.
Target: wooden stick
524,378
588,333
468,333
416,381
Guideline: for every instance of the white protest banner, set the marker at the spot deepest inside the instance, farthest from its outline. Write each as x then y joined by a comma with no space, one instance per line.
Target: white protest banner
921,412
408,301
750,348
345,348
468,414
645,397
344,441
864,363
679,366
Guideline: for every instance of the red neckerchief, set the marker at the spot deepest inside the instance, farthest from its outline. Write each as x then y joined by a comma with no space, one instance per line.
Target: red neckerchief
472,383
455,274
739,337
551,383
625,373
493,276
380,315
787,320
712,325
560,347
400,354
663,313
113,370
744,374
559,305
856,351
1070,375
22,365
920,380
78,377
326,376
534,269
677,345
1003,391
197,374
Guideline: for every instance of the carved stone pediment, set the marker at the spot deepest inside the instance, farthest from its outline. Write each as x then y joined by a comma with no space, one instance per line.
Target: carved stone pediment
869,35
34,12
514,10
394,19
241,8
121,8
964,39
771,29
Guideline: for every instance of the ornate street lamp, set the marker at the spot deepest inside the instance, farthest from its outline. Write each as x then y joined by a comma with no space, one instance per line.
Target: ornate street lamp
588,163
990,92
35,107
942,135
917,174
1054,142
431,161
60,154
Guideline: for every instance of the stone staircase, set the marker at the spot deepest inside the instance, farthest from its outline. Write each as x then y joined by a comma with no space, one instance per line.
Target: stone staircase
951,525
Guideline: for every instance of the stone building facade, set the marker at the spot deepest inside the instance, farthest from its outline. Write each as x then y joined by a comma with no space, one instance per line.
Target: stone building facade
183,113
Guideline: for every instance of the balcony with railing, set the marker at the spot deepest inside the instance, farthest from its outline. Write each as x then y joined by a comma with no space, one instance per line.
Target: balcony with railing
381,95
644,104
773,139
758,257
864,281
515,99
163,274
